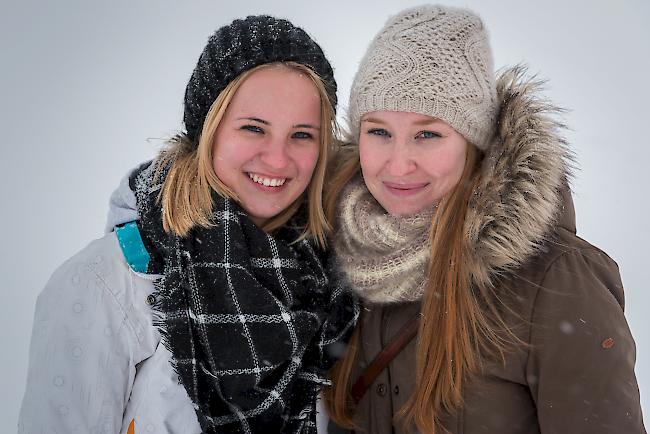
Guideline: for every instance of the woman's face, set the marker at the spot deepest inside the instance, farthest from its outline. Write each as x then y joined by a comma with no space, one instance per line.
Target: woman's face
409,161
267,144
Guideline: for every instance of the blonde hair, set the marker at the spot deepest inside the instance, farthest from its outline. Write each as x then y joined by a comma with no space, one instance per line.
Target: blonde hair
186,195
458,324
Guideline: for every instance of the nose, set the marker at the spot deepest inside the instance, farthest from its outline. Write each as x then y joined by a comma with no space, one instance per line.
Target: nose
400,161
275,154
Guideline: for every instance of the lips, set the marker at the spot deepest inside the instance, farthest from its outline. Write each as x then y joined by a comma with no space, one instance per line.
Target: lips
405,189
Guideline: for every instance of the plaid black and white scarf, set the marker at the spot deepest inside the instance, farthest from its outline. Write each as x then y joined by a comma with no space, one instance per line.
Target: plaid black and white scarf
248,317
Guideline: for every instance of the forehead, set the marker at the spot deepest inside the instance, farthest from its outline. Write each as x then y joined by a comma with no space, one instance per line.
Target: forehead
277,92
278,79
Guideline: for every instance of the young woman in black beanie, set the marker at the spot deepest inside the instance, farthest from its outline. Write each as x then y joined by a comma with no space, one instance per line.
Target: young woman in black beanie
206,307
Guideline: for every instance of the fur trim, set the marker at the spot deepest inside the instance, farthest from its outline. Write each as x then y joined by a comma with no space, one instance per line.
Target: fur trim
517,200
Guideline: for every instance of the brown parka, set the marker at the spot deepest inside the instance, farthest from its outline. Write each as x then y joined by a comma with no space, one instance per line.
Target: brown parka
574,372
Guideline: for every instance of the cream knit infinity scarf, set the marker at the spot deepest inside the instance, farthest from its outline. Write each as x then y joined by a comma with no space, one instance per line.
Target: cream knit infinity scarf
383,257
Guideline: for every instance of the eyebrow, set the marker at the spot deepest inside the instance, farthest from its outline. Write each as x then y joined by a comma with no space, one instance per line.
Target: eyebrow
420,122
262,121
427,121
373,120
309,126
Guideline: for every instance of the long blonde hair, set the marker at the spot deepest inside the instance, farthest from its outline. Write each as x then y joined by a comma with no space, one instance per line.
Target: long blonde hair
186,196
458,324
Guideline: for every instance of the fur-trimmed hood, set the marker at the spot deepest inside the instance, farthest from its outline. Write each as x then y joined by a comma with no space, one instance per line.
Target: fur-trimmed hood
523,190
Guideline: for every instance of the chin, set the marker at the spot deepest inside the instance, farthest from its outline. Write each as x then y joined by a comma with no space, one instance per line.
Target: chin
402,211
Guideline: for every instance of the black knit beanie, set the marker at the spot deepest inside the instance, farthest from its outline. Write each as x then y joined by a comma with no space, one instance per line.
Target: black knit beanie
243,45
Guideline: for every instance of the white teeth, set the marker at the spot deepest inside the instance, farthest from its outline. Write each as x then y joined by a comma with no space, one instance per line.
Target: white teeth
267,182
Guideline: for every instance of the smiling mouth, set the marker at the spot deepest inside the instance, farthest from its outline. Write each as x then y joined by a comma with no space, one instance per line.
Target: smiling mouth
405,189
266,181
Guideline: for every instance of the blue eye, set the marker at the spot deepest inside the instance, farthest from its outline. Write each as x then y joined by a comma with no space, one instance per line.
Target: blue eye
252,129
427,135
302,135
379,132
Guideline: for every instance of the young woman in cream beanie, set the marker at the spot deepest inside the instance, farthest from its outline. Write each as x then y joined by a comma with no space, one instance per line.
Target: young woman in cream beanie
484,312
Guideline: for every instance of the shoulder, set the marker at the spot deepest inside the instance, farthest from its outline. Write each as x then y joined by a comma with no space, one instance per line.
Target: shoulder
571,293
99,265
97,285
98,258
592,271
90,269
91,329
570,289
568,266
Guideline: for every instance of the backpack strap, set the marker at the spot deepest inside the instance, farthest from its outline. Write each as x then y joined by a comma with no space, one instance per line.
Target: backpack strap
136,255
387,354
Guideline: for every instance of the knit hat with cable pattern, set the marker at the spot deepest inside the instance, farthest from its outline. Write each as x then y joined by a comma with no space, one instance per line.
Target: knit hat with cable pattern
432,60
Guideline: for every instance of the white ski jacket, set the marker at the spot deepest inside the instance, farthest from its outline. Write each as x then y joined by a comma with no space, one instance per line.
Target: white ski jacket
96,362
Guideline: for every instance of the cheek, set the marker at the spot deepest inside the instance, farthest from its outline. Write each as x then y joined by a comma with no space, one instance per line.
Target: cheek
447,165
369,159
457,162
452,155
221,160
218,160
229,155
306,159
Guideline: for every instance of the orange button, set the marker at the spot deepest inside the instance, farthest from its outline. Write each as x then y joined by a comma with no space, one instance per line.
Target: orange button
607,343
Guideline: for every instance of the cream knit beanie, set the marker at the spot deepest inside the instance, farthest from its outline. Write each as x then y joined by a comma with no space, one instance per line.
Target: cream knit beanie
432,60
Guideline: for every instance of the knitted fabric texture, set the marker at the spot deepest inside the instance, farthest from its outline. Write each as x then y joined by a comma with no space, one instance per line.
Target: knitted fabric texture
432,60
248,317
243,45
384,258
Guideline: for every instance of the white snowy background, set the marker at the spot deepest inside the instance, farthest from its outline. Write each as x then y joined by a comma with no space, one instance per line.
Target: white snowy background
89,89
